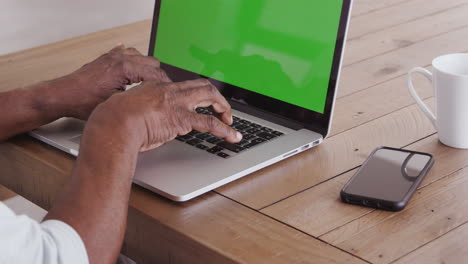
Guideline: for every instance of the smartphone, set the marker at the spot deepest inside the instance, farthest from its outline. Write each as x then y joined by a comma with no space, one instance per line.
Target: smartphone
388,179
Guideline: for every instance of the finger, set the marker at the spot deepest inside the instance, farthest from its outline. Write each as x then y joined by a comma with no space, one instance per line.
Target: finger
150,147
146,60
191,84
223,115
136,72
131,52
117,48
221,109
208,96
210,124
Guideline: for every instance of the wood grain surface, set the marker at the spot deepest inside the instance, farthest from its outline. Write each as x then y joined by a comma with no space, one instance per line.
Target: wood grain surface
5,193
290,212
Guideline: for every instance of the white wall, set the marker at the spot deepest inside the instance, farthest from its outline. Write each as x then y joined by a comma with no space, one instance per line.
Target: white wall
30,23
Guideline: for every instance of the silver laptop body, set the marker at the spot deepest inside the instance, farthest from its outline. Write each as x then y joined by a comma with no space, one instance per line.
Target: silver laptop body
180,171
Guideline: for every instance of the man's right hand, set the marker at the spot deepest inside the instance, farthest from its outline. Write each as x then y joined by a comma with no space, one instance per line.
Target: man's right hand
155,113
95,201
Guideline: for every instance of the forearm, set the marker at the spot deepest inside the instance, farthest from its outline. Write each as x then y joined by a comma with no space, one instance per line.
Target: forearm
95,201
28,108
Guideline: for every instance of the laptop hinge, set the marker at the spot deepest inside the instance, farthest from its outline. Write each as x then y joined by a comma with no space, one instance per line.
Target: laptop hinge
266,115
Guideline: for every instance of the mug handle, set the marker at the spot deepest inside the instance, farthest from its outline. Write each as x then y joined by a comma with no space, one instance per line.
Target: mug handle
415,95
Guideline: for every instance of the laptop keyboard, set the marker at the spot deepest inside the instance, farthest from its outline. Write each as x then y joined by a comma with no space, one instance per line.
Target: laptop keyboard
253,135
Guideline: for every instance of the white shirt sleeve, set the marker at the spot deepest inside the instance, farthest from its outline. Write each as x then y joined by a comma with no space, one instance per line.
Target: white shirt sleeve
25,241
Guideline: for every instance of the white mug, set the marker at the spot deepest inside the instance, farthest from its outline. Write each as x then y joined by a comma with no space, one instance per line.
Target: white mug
450,82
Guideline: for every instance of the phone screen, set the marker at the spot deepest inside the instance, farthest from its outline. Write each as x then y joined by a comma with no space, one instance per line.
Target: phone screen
388,174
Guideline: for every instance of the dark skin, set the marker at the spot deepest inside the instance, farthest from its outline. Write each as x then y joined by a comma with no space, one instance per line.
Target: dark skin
77,94
120,125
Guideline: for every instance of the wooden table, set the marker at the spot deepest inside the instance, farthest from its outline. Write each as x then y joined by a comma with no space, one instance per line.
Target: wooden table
291,212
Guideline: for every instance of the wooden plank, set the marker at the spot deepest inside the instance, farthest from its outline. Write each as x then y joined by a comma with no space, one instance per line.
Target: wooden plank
405,34
210,229
327,212
368,104
54,60
448,249
318,209
27,163
393,64
6,193
436,209
384,98
361,7
337,155
448,160
397,14
243,235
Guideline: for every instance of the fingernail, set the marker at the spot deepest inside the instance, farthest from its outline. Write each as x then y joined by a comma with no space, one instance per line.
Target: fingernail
119,44
238,135
232,121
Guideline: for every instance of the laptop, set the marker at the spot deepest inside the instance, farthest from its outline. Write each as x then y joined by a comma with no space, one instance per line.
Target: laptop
276,62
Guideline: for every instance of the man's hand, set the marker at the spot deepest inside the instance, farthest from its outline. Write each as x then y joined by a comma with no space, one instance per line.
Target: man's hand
77,94
155,113
95,201
80,92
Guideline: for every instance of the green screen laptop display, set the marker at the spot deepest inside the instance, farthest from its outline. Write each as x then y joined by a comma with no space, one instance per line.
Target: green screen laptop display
281,49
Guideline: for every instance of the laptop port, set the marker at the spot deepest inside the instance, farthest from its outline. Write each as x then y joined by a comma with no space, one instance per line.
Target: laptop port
305,147
290,153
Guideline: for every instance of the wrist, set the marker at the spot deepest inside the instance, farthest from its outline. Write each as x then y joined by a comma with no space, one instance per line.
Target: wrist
49,98
110,123
43,101
107,153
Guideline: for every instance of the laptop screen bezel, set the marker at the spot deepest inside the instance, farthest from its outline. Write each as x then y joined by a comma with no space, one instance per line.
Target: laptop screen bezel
308,119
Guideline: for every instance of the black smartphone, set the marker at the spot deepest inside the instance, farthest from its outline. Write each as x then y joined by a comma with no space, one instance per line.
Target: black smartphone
388,179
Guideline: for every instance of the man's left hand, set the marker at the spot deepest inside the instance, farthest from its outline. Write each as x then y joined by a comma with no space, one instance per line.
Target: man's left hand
77,94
